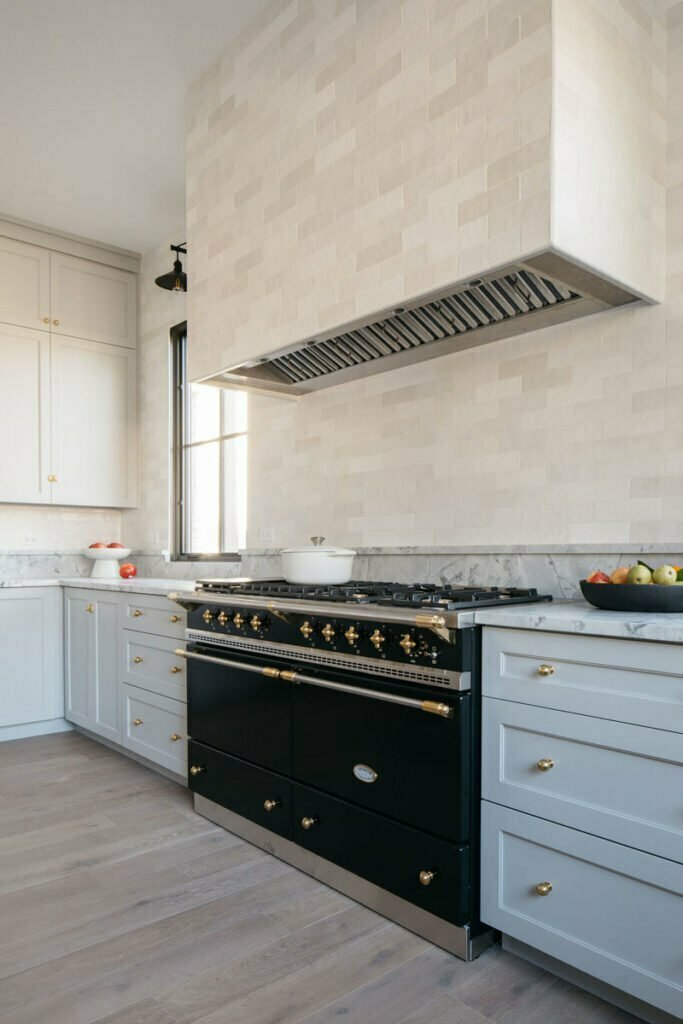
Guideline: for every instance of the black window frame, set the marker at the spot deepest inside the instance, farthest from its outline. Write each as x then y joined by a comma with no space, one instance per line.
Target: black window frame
180,407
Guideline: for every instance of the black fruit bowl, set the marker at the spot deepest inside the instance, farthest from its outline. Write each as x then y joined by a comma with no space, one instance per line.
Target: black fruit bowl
633,597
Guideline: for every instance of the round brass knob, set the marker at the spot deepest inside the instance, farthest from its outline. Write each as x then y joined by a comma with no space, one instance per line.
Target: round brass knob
238,620
544,888
352,635
175,618
198,769
175,737
546,670
52,478
270,805
207,616
377,639
222,618
137,721
56,323
427,877
327,632
46,319
306,629
137,659
137,613
407,643
545,764
309,822
175,669
90,608
255,622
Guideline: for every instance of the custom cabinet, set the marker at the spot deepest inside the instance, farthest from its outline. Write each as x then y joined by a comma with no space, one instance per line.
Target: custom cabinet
91,660
25,414
24,284
91,300
31,676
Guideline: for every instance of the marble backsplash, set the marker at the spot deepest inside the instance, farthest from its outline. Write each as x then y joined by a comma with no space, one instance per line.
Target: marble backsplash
553,571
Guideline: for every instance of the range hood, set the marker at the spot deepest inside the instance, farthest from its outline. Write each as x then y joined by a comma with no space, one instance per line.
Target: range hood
539,292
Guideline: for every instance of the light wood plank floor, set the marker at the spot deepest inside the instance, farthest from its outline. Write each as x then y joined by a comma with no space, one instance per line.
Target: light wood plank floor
118,904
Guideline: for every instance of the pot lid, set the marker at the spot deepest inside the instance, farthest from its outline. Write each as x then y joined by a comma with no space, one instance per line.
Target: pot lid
316,546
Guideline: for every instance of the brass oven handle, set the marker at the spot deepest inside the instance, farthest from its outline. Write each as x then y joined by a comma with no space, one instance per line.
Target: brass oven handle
432,707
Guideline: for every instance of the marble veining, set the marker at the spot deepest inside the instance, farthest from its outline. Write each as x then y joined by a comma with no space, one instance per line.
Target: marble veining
579,617
134,586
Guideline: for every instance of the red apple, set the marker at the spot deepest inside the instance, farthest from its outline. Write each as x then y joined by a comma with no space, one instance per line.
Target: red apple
127,570
99,544
598,577
114,544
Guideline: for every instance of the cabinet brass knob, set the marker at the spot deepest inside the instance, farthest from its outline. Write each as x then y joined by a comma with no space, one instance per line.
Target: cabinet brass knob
175,737
546,670
175,669
306,629
175,618
46,319
270,805
90,608
544,888
137,613
545,764
56,323
309,822
52,478
137,721
198,769
427,877
352,635
137,659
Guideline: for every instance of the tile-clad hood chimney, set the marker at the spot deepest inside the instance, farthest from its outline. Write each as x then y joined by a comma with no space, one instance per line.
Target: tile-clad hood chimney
370,188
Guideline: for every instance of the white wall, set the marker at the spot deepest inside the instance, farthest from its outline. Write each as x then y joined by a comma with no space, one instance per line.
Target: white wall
48,528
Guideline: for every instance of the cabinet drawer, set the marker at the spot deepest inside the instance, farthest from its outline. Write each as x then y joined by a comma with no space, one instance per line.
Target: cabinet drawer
155,727
255,793
615,913
153,615
150,662
386,853
625,680
622,782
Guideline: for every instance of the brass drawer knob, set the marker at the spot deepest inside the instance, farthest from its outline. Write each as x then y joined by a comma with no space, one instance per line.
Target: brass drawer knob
56,323
90,608
52,478
175,737
306,629
137,721
46,319
546,670
137,659
427,877
198,769
137,613
270,805
309,822
175,618
175,669
545,764
544,888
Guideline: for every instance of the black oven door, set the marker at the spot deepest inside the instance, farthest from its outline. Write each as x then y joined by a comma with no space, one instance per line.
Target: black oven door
234,706
393,758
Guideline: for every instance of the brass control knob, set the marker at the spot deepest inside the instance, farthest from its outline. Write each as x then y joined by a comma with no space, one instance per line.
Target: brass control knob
407,643
306,629
328,632
222,618
545,764
546,670
238,620
175,669
544,888
137,659
198,769
377,639
207,616
309,822
352,635
270,805
427,877
255,622
176,618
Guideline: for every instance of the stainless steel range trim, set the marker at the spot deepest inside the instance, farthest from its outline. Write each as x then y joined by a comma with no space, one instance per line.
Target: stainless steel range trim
449,936
387,669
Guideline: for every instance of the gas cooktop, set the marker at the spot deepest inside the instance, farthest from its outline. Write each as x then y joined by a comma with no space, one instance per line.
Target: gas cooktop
445,597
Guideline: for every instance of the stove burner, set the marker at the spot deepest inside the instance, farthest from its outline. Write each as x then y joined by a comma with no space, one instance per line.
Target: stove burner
446,597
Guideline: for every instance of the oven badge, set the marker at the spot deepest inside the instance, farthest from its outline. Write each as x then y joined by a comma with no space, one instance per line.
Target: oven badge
364,773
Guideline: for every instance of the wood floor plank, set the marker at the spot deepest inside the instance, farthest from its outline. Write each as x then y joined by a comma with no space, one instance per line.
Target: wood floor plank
147,1011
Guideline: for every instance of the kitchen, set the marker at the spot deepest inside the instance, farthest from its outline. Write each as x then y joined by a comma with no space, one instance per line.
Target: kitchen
406,275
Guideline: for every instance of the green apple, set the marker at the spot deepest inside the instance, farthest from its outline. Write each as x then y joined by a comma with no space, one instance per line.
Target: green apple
639,574
664,574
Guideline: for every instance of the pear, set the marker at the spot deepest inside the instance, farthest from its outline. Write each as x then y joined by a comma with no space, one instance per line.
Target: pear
664,575
639,574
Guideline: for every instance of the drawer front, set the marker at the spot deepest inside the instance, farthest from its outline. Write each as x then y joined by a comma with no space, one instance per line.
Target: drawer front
615,913
255,793
155,727
624,680
386,853
621,782
150,662
153,615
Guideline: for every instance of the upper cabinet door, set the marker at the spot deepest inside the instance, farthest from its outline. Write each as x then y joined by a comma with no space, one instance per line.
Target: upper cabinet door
91,300
94,441
25,415
24,284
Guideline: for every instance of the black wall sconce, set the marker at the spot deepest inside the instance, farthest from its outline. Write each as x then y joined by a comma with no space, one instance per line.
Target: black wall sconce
176,280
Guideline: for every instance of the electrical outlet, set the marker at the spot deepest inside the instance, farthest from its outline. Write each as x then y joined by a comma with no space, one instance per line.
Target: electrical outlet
267,534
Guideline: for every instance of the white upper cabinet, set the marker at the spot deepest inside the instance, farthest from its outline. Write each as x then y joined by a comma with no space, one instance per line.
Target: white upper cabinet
25,414
24,284
94,444
93,301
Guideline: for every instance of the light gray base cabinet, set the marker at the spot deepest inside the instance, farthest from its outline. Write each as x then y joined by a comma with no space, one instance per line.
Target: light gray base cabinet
582,816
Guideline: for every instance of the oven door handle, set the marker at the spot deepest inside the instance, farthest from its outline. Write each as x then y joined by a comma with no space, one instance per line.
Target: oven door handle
432,707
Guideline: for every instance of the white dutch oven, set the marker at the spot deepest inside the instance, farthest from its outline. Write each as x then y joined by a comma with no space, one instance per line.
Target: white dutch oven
317,564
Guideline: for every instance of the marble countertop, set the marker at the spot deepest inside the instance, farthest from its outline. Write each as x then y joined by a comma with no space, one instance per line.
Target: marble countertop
580,617
137,585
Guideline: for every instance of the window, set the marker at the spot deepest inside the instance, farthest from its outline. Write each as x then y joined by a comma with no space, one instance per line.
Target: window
210,459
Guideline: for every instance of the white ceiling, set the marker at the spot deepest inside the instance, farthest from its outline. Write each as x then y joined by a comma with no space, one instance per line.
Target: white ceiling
92,110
